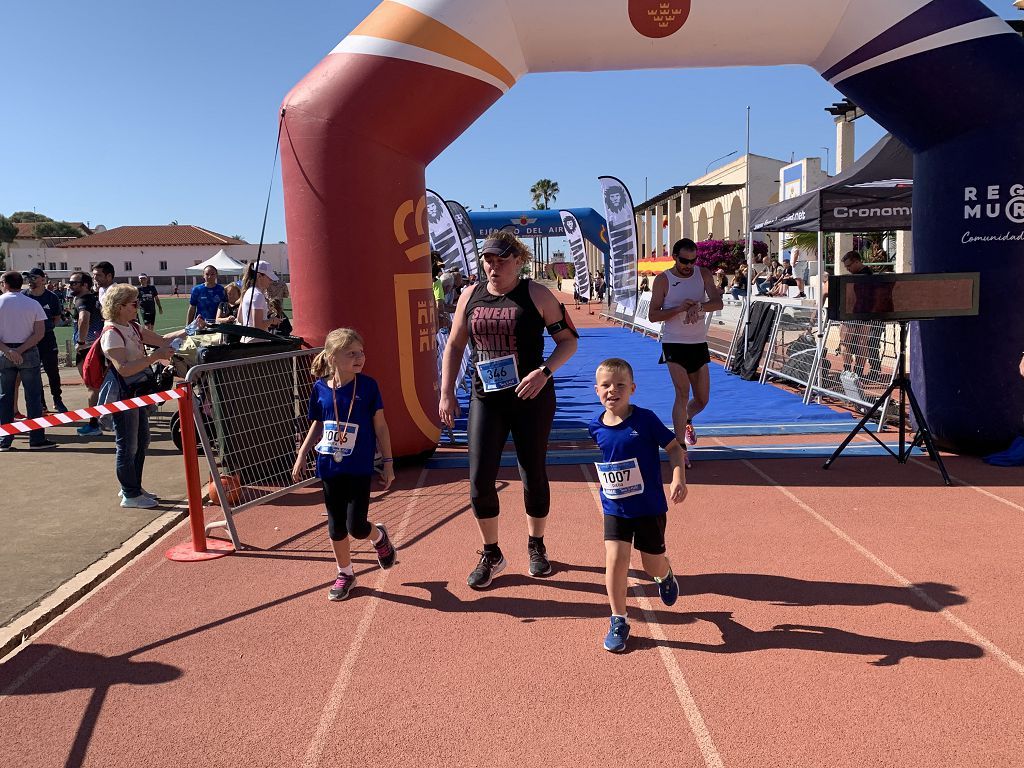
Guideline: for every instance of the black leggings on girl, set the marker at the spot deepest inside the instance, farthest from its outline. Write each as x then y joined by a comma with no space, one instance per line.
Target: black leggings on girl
347,498
491,418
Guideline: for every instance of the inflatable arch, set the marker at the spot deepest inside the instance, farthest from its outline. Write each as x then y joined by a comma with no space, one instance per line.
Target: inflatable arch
360,128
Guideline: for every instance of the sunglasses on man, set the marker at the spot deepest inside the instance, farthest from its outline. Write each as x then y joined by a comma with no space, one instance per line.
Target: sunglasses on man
686,261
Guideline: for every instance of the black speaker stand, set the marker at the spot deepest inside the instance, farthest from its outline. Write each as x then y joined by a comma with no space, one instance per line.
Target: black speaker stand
901,382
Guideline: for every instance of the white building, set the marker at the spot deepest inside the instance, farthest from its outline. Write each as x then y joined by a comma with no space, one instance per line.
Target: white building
713,206
162,252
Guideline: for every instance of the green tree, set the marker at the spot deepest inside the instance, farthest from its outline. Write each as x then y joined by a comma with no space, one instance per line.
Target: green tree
544,192
56,229
8,231
20,217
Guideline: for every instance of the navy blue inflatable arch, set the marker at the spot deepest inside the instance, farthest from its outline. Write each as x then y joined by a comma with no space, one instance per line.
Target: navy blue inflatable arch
961,109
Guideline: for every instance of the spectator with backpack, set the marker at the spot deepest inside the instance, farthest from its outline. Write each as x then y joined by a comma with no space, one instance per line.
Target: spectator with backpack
129,374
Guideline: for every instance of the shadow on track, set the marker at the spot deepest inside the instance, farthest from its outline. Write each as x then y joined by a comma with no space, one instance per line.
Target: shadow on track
85,671
737,638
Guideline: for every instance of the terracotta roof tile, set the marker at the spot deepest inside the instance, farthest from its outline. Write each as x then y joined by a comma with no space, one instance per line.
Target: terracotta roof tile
169,234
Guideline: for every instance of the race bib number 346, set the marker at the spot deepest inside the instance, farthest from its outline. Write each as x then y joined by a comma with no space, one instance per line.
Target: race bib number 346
620,479
499,373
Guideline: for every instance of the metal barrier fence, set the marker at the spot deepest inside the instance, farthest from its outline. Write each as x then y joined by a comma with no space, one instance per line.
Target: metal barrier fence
723,342
793,347
856,363
251,419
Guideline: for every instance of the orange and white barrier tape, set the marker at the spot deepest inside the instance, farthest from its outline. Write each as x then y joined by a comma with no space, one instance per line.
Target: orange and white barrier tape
57,419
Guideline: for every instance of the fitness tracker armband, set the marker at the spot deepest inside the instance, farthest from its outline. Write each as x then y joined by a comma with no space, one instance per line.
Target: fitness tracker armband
564,324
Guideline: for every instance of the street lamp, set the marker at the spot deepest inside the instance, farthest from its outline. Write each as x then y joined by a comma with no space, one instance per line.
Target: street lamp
706,170
828,151
488,207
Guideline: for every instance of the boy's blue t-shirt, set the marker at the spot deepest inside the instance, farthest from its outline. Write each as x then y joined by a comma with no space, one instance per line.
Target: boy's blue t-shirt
368,402
206,300
638,437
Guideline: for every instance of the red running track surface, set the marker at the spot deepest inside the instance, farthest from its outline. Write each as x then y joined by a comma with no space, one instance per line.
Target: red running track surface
799,638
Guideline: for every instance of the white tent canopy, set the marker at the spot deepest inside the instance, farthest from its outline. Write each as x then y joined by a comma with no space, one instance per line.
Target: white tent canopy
225,265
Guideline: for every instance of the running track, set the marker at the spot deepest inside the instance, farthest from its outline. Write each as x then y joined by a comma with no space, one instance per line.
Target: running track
864,616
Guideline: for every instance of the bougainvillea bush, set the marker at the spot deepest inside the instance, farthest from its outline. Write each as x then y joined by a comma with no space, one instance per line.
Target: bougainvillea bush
727,254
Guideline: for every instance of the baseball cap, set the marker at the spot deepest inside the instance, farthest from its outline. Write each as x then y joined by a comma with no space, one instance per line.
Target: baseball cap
36,272
143,274
265,268
497,247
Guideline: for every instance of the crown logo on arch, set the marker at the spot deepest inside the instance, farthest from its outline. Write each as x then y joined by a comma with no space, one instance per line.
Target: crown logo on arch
655,18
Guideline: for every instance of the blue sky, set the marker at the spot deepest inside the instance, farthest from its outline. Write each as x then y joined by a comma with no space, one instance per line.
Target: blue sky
143,113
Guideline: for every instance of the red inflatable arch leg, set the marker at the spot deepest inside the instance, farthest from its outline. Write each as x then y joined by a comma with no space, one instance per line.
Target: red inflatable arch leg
353,160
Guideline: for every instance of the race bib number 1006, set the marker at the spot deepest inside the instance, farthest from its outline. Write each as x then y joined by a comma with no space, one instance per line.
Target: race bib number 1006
339,440
620,479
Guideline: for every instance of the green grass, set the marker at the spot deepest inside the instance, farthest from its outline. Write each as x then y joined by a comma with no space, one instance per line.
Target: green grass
172,319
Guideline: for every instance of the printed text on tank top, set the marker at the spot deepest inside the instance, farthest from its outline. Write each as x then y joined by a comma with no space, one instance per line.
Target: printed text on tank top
500,326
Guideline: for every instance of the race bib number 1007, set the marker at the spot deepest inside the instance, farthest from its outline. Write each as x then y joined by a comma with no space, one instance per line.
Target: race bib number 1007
620,479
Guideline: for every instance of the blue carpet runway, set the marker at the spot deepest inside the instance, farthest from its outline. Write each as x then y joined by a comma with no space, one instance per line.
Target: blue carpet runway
737,407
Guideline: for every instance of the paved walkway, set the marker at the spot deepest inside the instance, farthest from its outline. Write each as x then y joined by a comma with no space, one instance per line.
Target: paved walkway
60,513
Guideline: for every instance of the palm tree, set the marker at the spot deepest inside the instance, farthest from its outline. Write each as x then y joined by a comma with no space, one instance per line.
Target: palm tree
543,192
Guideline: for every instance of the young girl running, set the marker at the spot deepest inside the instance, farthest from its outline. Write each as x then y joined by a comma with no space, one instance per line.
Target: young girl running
347,423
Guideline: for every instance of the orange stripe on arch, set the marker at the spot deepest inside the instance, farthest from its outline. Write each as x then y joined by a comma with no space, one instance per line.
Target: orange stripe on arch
402,24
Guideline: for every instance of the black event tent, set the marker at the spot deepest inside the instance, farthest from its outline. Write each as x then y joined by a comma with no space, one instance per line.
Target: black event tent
874,195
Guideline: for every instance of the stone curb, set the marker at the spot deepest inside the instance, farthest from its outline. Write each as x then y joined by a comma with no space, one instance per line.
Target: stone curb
22,629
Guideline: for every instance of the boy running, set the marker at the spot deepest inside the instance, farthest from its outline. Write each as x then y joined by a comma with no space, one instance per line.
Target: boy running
632,494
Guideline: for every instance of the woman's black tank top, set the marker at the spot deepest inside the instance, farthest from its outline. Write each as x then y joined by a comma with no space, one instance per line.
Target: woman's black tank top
505,325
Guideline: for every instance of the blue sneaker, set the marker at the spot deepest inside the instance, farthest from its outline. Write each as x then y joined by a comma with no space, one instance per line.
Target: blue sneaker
618,634
87,430
668,588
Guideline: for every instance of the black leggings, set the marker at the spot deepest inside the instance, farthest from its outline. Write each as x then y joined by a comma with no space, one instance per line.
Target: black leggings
347,498
491,418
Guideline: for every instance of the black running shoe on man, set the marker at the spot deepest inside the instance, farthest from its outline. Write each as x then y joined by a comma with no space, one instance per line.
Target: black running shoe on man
488,567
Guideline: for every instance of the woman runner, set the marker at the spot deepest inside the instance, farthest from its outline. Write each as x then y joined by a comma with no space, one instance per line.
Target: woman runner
505,315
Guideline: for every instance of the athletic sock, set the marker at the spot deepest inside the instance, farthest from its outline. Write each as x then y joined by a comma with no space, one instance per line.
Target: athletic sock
537,540
493,551
620,616
347,570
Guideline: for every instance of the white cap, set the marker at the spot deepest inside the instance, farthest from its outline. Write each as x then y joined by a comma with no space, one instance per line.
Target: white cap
265,268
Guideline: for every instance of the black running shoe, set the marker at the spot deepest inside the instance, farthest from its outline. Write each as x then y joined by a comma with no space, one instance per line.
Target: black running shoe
384,548
342,587
539,564
485,570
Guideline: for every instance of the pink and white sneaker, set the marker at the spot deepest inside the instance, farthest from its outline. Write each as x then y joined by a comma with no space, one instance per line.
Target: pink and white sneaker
689,435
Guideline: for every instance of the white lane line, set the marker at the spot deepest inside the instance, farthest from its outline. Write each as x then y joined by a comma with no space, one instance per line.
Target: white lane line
995,497
325,727
712,759
921,595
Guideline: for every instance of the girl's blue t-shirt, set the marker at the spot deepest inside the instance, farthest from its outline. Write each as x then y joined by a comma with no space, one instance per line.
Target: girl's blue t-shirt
638,437
368,402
